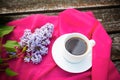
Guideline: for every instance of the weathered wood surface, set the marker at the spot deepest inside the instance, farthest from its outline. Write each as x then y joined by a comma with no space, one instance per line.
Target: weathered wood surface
110,18
115,46
107,11
17,6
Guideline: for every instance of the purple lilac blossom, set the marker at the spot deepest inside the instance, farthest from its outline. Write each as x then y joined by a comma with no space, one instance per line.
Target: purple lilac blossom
37,42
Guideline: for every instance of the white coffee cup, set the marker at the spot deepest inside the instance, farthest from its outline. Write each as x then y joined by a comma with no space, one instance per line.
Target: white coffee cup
77,58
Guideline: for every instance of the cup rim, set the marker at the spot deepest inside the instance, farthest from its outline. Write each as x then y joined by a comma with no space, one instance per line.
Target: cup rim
77,35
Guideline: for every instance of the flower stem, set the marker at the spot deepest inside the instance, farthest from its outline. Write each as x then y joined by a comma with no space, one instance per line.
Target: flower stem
15,56
6,59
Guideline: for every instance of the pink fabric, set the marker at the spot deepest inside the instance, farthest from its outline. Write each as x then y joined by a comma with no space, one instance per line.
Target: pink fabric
68,21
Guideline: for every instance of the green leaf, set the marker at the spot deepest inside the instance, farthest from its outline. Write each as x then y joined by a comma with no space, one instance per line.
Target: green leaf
10,72
10,45
4,30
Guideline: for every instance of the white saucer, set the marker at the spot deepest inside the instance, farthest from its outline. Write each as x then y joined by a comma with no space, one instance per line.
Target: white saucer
82,66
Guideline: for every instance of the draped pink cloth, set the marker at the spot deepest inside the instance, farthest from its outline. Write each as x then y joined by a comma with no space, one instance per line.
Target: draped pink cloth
68,21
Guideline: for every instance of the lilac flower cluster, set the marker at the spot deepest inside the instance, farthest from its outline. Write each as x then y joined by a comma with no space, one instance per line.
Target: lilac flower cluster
36,43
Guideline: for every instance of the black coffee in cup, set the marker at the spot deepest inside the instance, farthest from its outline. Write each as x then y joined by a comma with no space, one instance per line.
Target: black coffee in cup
76,46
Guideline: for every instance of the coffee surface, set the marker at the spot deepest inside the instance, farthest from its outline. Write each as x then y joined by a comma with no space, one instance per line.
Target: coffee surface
76,46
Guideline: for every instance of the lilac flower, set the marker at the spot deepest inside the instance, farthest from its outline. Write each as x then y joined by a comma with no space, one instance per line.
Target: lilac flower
27,59
43,50
26,36
36,58
37,42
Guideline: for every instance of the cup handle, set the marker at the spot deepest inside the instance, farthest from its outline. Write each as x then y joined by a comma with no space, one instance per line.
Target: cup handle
92,42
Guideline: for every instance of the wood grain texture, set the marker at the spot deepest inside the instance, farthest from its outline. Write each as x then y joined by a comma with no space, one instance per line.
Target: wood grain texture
117,64
18,6
110,17
115,46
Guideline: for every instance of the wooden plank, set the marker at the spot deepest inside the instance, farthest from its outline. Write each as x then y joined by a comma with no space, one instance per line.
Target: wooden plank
15,6
117,64
115,51
115,46
110,18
